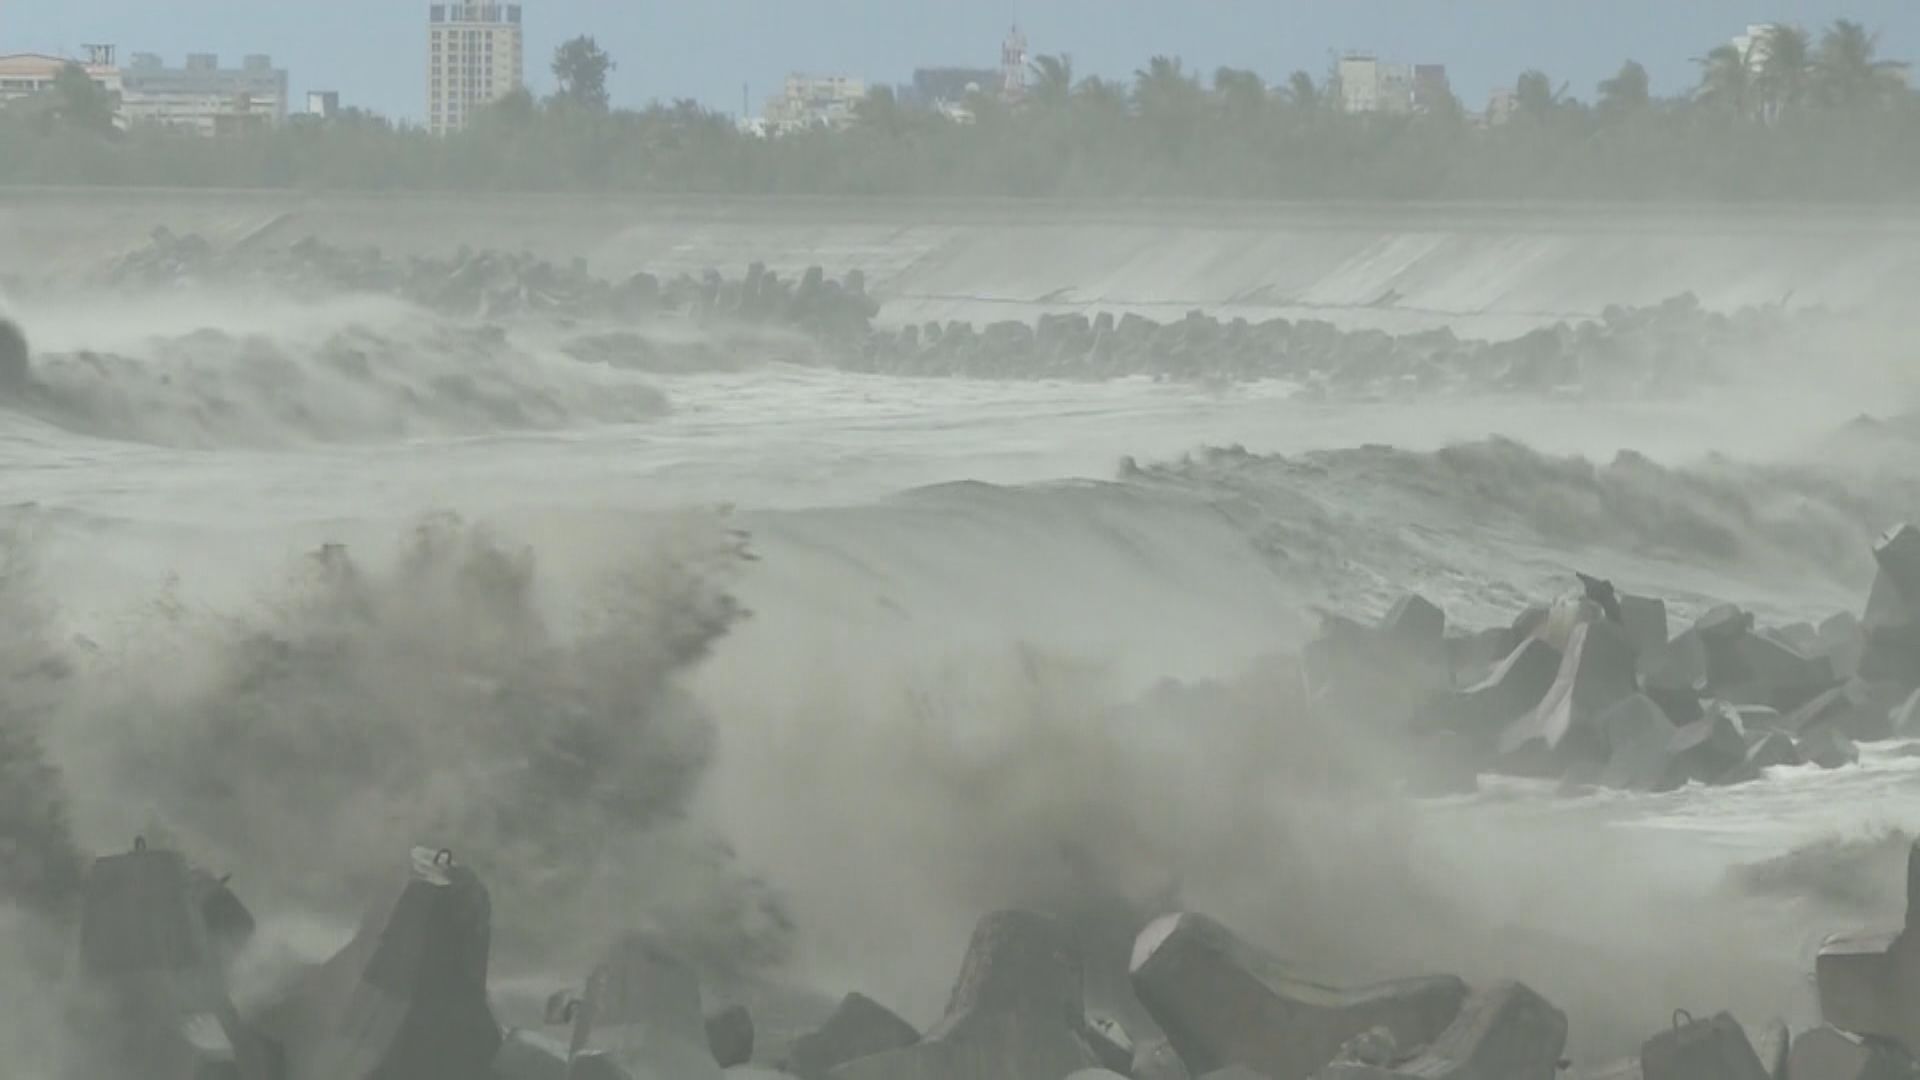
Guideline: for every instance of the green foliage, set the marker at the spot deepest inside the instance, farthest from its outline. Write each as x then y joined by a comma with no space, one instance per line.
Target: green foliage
1835,123
581,66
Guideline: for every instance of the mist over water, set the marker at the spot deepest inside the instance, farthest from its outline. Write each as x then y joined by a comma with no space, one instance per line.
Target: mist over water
807,669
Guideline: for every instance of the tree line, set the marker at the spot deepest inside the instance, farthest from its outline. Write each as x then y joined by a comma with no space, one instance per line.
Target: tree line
1796,115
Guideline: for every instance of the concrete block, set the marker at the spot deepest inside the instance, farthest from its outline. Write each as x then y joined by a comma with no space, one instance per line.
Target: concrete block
730,1036
150,993
1224,1002
408,995
642,1008
1505,1031
1640,744
1596,671
1017,1012
1869,984
859,1027
1827,1053
1645,619
1712,1049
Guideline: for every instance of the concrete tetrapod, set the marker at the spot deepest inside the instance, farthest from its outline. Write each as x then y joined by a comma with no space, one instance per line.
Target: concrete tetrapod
1017,1011
1505,1032
1827,1053
1870,984
642,1007
408,995
1716,1048
1224,1002
859,1027
730,1036
151,999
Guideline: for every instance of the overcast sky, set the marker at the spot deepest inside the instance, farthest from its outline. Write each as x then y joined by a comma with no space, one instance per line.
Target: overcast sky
373,51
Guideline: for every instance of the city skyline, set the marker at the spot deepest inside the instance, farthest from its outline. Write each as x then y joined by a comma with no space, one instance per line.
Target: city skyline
370,50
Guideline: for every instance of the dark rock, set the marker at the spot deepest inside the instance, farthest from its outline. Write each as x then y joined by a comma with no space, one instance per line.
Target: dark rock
1224,1002
151,995
1892,654
1711,1049
1640,745
1504,1031
1827,1053
1870,983
1597,670
1017,1012
730,1036
407,996
1827,747
1645,619
859,1027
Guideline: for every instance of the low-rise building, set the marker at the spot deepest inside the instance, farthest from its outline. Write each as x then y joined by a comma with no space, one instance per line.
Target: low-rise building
25,75
203,97
810,101
323,104
1369,85
1502,106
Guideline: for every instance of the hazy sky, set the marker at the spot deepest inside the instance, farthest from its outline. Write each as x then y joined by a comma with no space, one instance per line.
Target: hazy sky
373,50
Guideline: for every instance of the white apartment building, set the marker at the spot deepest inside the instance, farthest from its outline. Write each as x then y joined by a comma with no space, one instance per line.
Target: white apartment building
808,101
1369,86
474,58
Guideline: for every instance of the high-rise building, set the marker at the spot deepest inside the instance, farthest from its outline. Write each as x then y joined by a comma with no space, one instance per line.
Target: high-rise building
473,59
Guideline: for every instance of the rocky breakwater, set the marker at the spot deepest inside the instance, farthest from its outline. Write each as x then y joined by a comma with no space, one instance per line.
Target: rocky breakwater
823,320
1597,688
409,996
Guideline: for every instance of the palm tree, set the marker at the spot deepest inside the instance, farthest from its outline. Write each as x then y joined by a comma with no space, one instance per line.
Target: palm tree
1845,73
1164,89
1101,96
1052,80
1785,64
1627,92
1726,79
1301,92
1241,93
1535,96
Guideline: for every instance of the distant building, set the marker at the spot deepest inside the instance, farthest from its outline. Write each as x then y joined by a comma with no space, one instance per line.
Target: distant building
1013,66
1431,87
1502,106
203,97
810,101
933,87
1367,85
23,75
474,58
1756,45
324,104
